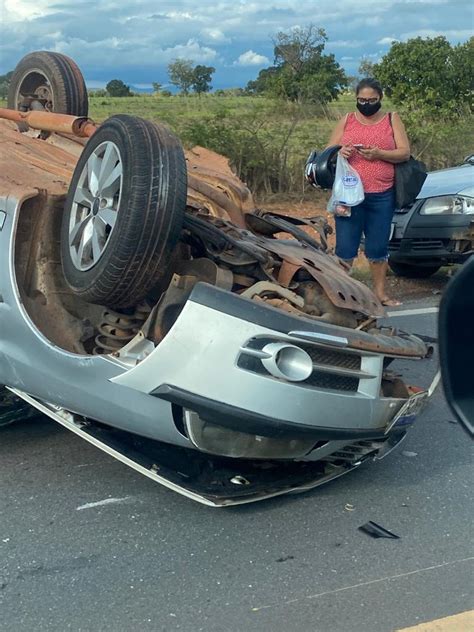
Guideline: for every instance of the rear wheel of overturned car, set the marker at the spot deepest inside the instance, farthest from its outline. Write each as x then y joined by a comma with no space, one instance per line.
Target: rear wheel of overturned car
411,271
124,212
48,81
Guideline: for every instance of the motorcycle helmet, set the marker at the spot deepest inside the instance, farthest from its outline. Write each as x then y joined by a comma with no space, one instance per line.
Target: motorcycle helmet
320,167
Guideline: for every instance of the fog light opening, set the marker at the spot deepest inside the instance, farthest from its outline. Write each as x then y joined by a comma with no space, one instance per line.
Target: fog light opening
287,361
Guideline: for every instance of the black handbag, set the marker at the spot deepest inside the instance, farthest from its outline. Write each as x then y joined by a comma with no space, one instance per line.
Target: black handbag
409,178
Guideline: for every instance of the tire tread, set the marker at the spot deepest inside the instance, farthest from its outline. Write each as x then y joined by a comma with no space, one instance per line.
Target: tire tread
150,220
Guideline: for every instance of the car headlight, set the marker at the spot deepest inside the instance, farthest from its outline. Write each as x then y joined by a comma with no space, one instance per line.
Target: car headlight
448,205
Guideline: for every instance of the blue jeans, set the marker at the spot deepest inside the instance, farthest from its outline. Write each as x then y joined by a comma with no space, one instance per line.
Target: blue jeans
373,217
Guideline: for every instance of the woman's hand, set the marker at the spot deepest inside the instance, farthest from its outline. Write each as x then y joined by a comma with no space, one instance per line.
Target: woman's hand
346,151
371,153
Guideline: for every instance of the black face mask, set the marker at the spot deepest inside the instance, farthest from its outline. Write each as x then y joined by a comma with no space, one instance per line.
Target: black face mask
369,109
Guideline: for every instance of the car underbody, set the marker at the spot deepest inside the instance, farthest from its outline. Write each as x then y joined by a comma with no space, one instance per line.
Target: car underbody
247,364
229,245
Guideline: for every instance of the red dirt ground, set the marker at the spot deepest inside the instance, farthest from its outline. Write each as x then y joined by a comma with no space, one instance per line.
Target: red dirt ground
397,287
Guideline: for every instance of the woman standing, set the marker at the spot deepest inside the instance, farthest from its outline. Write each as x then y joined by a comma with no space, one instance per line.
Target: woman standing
372,141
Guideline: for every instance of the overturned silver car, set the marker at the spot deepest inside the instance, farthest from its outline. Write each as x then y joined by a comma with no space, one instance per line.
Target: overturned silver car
149,307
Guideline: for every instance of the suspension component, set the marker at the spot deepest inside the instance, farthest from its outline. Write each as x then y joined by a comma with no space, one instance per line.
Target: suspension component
118,328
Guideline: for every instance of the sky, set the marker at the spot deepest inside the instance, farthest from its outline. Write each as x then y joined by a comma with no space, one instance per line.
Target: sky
135,40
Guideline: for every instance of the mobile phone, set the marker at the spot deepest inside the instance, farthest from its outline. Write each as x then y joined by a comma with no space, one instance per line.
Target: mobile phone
359,146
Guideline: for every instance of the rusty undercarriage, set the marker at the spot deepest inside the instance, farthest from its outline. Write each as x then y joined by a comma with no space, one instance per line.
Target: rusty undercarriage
226,241
230,358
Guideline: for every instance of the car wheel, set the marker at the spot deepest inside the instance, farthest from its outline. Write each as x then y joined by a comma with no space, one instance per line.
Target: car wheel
48,81
124,212
411,271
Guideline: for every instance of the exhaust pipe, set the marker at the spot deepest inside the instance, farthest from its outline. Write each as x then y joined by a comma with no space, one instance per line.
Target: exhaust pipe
50,122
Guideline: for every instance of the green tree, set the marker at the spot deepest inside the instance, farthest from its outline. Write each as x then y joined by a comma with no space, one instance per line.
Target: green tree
301,72
366,67
430,82
462,60
202,77
156,87
181,74
429,74
5,84
266,82
117,88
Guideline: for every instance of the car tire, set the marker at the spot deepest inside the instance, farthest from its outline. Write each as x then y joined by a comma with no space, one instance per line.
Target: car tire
411,271
124,212
54,78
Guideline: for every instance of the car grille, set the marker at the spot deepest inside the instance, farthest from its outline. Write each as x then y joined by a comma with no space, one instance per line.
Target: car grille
334,382
394,245
427,244
330,359
420,245
333,358
335,370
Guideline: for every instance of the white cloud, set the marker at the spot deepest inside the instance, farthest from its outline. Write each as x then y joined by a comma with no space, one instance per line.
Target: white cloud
215,36
249,58
191,50
386,41
436,2
113,49
136,39
19,10
181,15
373,20
346,44
452,34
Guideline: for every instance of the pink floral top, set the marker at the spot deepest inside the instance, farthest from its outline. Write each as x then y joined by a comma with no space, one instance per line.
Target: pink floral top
376,175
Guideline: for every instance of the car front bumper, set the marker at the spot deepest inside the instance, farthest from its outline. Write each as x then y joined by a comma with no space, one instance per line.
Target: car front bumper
431,240
208,367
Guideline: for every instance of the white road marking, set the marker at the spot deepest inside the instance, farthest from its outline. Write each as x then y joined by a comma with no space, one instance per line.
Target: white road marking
106,501
414,312
368,583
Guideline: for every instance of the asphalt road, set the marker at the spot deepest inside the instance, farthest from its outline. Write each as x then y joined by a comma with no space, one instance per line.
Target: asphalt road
153,560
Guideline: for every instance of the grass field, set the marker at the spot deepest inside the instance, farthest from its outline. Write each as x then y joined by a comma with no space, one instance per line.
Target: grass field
267,140
313,126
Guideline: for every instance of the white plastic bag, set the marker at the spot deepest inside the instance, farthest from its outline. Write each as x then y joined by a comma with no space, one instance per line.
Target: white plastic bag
347,189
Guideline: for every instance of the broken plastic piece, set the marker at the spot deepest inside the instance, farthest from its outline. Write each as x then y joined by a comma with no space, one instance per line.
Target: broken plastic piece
376,531
284,558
